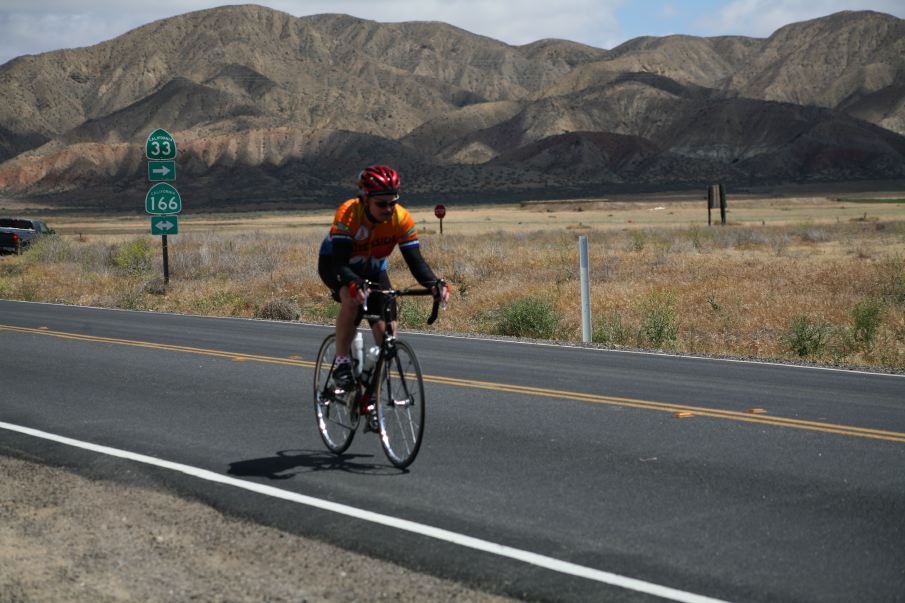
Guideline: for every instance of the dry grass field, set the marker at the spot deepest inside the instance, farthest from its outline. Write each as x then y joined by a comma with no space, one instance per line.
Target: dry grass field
811,278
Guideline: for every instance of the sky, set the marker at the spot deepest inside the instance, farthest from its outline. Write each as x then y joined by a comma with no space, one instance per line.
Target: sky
35,26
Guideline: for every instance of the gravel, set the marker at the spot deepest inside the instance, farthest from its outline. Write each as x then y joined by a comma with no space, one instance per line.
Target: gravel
64,537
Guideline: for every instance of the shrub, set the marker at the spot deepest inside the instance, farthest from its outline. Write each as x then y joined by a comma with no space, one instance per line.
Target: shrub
50,249
220,301
134,257
156,286
812,234
412,313
698,237
806,337
892,278
610,330
637,239
658,318
130,298
8,268
866,317
322,312
840,343
279,309
527,317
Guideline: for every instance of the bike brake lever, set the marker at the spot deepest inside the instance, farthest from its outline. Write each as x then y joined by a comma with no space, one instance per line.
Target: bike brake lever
366,287
438,302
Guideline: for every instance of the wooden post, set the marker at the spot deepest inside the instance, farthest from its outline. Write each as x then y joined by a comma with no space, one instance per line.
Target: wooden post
723,204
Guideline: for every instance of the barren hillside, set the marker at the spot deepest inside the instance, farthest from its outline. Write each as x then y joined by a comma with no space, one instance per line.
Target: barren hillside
267,107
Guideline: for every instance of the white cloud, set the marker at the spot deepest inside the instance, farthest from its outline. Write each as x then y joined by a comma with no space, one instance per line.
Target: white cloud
760,18
667,11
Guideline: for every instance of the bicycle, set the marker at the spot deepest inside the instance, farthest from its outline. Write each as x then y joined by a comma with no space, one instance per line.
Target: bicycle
393,381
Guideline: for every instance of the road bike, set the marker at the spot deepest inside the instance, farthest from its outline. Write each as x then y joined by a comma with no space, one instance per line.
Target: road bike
389,390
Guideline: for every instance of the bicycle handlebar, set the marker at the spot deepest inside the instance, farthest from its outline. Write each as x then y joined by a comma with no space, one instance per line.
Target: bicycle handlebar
435,310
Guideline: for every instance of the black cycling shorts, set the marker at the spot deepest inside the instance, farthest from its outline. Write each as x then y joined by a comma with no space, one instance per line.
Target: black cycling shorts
375,300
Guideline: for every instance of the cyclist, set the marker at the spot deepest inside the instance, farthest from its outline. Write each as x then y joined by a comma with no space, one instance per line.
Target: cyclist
365,231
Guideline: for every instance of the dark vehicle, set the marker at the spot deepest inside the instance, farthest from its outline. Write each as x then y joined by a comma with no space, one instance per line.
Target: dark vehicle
18,233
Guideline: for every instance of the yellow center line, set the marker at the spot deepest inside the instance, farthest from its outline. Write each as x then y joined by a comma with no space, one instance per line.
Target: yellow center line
740,416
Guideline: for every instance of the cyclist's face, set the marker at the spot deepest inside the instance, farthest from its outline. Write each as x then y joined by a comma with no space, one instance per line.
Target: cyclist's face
382,206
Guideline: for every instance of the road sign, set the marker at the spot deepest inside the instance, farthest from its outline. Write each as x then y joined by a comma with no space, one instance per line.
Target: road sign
440,210
164,225
160,145
163,199
161,170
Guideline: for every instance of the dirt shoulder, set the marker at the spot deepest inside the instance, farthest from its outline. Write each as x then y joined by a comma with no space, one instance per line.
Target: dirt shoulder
64,537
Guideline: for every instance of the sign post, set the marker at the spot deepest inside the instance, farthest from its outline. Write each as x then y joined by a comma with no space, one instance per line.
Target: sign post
440,212
716,197
162,200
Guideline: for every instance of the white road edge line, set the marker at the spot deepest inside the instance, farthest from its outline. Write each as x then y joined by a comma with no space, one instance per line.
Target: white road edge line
543,561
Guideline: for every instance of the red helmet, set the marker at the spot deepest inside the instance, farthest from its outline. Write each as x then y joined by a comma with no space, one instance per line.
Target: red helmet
379,180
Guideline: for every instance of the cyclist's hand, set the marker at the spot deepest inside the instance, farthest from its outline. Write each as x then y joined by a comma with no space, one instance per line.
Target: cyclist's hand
443,294
357,293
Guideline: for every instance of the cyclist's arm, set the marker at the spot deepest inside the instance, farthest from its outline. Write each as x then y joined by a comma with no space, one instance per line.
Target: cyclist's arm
342,253
418,267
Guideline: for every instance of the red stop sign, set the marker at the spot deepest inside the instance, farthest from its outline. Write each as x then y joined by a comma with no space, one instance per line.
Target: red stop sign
440,210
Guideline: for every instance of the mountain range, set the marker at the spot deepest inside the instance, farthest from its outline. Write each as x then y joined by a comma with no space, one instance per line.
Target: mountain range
270,110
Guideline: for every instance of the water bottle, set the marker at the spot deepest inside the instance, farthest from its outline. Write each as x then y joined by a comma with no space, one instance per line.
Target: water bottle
357,345
370,361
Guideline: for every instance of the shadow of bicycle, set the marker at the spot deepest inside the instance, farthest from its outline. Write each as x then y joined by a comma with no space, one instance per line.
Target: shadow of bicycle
288,463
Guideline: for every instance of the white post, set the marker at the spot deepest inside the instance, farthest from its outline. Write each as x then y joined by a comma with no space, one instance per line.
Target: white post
585,289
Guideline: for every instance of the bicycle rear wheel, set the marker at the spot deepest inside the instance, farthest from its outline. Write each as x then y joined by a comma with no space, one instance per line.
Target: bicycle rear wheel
337,416
400,406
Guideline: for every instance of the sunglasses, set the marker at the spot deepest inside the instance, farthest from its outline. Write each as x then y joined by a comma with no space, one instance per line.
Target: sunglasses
386,204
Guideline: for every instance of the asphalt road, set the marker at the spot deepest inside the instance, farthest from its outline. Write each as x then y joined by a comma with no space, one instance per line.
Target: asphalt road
686,477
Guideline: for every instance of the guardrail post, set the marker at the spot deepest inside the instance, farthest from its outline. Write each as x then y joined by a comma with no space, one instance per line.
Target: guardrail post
585,289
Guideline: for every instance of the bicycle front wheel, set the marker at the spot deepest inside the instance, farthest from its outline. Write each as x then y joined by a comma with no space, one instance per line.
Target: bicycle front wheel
400,405
337,416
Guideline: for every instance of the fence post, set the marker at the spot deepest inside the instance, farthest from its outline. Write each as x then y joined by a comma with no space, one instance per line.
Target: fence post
723,205
585,289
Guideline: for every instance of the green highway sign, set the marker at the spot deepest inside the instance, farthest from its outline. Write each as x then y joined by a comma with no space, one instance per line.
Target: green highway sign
164,225
161,170
163,199
160,145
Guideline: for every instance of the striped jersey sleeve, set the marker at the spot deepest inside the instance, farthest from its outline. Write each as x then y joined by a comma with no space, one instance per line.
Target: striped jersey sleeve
409,234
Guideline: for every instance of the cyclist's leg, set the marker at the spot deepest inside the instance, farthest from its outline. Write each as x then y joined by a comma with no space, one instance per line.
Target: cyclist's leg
349,313
346,322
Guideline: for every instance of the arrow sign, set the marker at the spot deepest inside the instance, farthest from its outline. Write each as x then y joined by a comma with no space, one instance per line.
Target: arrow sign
161,170
164,225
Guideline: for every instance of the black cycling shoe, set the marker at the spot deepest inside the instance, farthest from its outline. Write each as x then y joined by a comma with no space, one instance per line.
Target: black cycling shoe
343,379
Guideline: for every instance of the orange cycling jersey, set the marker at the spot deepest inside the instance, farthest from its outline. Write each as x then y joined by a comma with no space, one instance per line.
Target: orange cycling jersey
371,242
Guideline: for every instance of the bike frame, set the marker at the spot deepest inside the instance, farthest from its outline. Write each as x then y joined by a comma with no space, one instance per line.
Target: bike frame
388,342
